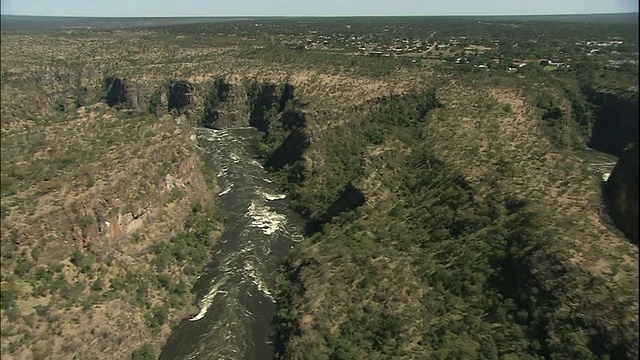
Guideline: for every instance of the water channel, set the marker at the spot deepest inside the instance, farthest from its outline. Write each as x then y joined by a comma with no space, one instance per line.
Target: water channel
236,290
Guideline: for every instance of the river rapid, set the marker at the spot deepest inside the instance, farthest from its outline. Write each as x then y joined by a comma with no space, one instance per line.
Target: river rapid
235,291
602,163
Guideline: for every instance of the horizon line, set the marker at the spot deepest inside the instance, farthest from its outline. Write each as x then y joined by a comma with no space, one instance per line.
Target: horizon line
309,16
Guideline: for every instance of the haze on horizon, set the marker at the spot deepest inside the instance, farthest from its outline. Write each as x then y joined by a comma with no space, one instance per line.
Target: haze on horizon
199,8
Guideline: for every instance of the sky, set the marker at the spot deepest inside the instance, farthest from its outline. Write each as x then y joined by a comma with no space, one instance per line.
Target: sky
171,8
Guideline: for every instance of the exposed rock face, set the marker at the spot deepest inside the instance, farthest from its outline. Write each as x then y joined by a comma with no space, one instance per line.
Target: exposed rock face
261,98
225,106
124,95
233,111
181,95
622,191
157,103
616,124
114,230
116,92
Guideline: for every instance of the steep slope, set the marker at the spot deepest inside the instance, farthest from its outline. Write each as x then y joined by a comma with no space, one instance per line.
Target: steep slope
622,189
453,231
475,240
600,263
100,215
95,261
616,120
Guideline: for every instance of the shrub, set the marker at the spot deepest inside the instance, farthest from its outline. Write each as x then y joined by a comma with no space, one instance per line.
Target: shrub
144,352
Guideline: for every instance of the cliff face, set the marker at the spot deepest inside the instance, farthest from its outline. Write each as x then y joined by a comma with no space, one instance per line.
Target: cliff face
226,106
616,121
122,94
622,191
181,94
442,227
261,99
116,92
275,112
117,186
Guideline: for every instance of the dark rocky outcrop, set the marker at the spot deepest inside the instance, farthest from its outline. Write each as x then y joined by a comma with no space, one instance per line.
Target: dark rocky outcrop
616,120
274,111
225,106
233,112
261,98
622,192
181,95
121,94
267,102
217,95
116,92
291,150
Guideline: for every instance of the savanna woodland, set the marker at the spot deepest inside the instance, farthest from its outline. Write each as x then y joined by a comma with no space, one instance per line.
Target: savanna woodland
468,186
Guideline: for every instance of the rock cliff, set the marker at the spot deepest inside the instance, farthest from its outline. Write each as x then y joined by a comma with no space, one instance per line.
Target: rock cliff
616,121
622,191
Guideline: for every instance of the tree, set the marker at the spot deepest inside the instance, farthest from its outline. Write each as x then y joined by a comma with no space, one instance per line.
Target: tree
533,68
144,352
218,93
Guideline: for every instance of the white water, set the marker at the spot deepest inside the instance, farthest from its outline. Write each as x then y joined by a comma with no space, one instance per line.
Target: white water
207,300
600,162
235,292
227,190
257,281
264,218
270,197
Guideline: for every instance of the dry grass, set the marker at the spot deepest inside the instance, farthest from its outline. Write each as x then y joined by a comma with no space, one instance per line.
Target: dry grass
95,179
92,179
65,176
505,151
113,185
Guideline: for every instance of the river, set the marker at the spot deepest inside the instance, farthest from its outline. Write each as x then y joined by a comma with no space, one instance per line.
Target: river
235,291
600,162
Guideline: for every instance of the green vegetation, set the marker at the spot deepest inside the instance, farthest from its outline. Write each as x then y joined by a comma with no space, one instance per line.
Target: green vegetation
276,112
217,94
434,158
155,102
566,131
494,284
84,260
144,352
191,246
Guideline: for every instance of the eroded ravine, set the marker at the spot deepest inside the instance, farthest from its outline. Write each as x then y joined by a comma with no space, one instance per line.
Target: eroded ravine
235,291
